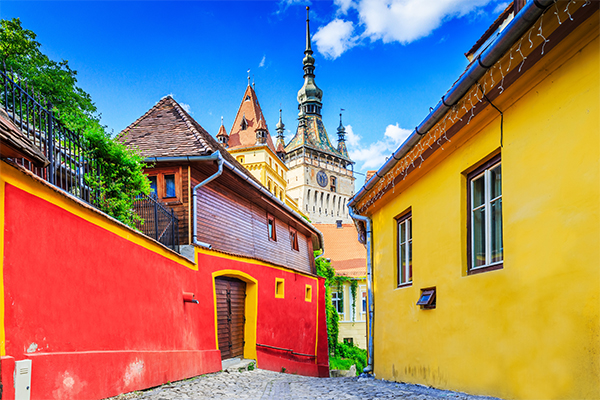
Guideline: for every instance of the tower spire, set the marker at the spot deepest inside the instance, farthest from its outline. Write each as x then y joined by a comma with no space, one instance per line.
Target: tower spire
309,96
308,44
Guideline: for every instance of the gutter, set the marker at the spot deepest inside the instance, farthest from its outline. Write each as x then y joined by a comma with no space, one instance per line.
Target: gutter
513,31
370,300
216,156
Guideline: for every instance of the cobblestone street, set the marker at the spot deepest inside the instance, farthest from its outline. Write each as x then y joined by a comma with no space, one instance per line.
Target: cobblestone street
261,384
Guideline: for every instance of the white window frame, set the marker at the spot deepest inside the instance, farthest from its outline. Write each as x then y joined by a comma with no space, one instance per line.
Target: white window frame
363,311
487,206
336,300
406,220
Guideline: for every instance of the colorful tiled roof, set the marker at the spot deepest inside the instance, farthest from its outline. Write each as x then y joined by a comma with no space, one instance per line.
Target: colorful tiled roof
313,136
250,111
348,256
167,130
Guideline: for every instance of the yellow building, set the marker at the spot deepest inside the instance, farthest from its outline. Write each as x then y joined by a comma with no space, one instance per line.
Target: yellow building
347,257
250,142
483,231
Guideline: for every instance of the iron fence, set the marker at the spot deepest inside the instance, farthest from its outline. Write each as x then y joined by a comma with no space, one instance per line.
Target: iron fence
72,166
158,221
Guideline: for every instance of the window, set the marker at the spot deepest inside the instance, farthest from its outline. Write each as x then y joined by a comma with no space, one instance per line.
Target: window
349,341
294,238
271,227
405,250
333,184
308,293
363,296
279,288
240,159
337,299
165,183
153,186
485,246
428,298
170,186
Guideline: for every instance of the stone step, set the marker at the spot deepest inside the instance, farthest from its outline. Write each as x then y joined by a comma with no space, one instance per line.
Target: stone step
238,365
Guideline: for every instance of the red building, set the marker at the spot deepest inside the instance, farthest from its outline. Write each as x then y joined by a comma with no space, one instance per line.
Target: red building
93,308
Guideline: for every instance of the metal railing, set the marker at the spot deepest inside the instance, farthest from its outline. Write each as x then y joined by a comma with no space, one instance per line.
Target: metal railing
70,159
158,221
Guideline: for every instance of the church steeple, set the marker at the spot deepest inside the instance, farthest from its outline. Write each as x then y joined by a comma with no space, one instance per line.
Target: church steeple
309,96
222,136
280,127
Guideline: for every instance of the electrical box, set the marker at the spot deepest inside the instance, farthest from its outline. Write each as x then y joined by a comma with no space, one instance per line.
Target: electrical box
23,380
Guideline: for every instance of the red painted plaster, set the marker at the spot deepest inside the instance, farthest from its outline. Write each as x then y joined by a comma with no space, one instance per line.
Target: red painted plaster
99,314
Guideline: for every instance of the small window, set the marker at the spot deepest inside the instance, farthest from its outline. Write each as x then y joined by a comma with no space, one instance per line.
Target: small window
294,239
363,295
240,159
308,293
271,227
333,184
427,298
244,124
247,98
405,250
153,186
279,288
337,299
349,341
170,186
485,244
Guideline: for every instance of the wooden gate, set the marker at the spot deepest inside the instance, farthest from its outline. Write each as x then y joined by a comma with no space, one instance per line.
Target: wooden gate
231,297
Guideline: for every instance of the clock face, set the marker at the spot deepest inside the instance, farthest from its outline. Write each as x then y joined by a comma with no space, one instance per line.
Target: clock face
322,178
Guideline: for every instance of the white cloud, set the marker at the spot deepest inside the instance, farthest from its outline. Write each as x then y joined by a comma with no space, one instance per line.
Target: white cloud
262,62
402,21
186,107
373,156
335,38
501,7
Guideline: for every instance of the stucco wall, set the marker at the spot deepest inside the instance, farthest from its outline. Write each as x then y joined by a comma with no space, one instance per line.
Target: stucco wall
99,309
532,329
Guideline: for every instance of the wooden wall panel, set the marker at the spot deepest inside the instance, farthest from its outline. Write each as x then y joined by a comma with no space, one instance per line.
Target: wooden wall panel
234,224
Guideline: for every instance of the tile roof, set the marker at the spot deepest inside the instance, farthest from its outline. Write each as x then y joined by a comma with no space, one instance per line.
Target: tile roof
14,143
313,136
348,256
250,111
168,130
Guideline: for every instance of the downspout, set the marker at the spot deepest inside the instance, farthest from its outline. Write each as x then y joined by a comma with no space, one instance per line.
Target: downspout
370,303
216,156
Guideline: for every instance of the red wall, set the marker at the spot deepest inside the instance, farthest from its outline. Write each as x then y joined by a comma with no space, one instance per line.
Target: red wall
101,315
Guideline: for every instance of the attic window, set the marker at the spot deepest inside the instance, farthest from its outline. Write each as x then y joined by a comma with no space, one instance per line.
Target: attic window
427,299
294,239
247,98
271,227
244,124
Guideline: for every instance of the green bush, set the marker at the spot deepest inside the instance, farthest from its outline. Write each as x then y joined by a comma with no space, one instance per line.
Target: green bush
351,352
340,363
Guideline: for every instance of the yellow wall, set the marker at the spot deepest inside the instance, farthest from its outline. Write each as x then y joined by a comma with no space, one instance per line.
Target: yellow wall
532,329
353,326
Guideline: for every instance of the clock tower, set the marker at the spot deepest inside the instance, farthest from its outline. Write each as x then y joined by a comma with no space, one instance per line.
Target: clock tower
320,175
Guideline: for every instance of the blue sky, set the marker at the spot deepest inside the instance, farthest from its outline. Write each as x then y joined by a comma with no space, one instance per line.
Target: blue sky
384,61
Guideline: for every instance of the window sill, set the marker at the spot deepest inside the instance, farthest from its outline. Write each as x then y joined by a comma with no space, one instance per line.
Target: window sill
172,202
403,285
479,270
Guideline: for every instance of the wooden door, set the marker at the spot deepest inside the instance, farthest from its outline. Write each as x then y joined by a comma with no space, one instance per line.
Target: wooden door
231,297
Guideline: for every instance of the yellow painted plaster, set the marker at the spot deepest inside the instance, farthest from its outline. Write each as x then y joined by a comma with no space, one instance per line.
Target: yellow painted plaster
532,329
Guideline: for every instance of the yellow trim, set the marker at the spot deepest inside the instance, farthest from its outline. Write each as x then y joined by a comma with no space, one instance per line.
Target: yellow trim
308,293
279,295
249,260
317,323
62,200
2,328
251,309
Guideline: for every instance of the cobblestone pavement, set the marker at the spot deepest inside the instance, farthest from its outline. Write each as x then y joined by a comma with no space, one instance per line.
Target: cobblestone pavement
262,385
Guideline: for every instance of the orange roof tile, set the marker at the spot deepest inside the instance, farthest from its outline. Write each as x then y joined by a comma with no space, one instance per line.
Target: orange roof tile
348,256
251,111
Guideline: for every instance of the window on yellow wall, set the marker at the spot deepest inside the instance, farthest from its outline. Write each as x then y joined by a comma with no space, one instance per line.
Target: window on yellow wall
405,249
484,222
240,159
337,299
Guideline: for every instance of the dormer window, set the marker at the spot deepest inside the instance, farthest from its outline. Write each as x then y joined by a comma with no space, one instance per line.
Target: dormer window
247,98
244,124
